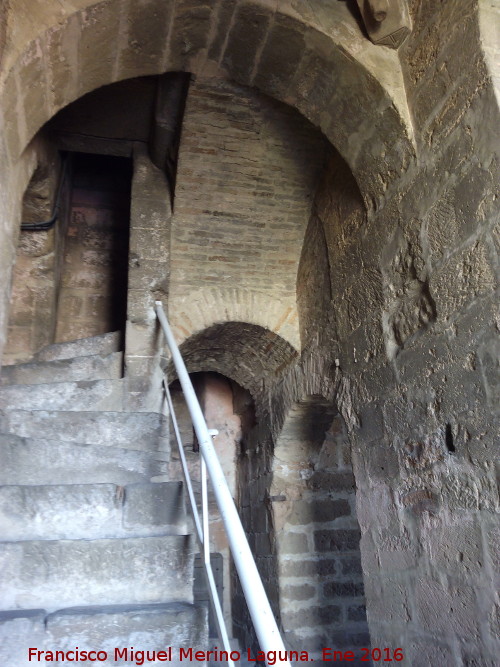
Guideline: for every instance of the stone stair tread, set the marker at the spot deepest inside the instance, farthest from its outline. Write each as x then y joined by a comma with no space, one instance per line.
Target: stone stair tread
96,547
77,511
96,366
153,627
80,395
103,344
35,462
67,573
130,430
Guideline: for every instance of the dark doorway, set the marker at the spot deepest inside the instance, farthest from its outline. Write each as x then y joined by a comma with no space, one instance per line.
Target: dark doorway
93,294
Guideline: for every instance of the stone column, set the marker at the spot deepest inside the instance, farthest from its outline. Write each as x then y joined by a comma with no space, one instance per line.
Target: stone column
149,252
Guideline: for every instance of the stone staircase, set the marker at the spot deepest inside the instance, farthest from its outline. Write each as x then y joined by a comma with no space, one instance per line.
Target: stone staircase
95,548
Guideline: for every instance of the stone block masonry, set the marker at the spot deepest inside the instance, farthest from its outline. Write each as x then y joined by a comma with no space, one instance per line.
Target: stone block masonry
317,533
38,263
320,62
148,261
407,230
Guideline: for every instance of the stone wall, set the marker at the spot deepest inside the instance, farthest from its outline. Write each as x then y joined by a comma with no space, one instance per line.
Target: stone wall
148,264
314,290
425,453
413,289
59,55
407,343
417,399
33,305
3,28
317,535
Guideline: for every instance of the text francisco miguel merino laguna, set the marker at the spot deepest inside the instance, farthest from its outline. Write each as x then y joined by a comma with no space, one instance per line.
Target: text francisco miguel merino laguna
167,655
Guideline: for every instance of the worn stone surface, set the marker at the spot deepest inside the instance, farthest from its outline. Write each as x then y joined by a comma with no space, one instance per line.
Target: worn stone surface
38,461
80,395
38,262
404,340
18,632
98,510
141,431
98,367
104,344
148,262
160,506
152,627
70,573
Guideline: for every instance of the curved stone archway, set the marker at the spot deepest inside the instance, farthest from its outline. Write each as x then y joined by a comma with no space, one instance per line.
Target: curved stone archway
249,354
251,358
319,63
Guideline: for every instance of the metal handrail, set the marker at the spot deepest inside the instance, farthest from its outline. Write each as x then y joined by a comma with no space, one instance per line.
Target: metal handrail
201,525
262,616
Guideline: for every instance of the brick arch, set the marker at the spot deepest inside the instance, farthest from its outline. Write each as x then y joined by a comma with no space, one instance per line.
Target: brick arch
203,308
249,354
321,65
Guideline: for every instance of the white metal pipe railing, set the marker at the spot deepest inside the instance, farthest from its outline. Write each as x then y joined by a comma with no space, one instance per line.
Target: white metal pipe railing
202,527
189,486
262,616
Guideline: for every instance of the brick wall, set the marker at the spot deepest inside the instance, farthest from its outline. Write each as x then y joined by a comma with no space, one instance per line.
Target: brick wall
248,354
247,172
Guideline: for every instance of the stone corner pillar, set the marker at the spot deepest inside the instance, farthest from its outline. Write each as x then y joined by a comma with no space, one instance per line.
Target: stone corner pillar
148,275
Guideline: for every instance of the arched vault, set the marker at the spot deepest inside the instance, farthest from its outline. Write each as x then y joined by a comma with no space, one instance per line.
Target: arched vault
316,59
248,354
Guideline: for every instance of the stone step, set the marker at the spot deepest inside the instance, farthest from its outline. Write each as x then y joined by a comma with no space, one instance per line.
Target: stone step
70,573
38,462
146,627
130,430
103,344
81,511
95,367
106,395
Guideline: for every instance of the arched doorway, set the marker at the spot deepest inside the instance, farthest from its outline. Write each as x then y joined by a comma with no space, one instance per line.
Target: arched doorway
227,408
61,59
